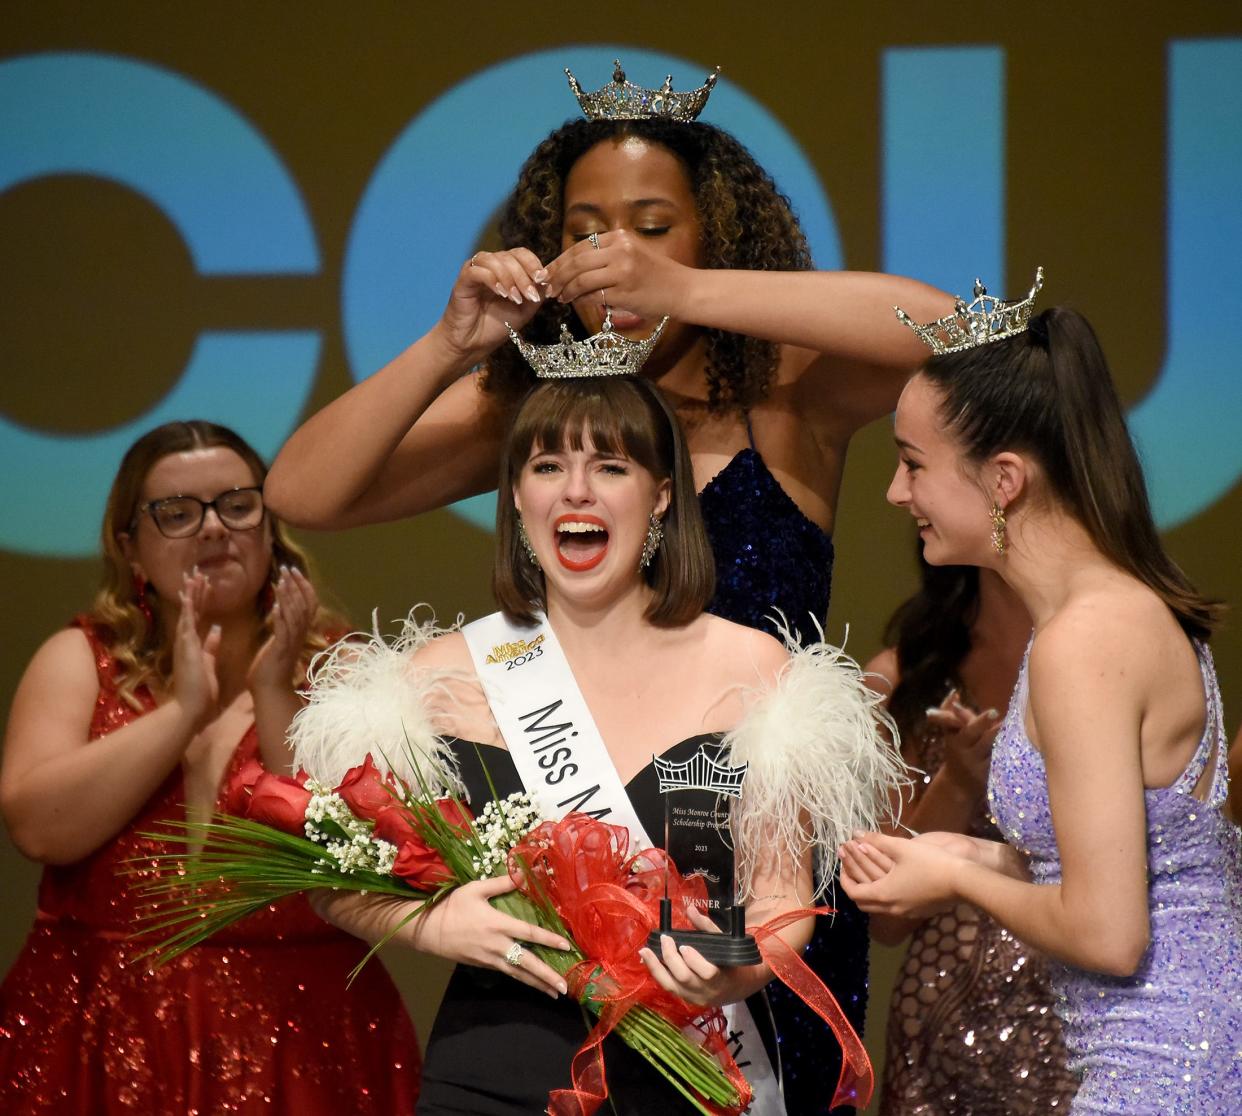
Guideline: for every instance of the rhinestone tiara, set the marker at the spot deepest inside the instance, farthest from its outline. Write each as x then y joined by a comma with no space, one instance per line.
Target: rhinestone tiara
986,319
623,100
605,354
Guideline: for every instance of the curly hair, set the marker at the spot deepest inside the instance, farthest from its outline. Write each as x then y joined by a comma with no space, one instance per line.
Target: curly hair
746,224
138,642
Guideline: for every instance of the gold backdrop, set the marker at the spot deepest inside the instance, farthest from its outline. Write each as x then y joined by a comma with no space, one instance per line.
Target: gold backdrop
101,303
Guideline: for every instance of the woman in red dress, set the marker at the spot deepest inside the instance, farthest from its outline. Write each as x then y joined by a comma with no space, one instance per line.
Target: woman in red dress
164,702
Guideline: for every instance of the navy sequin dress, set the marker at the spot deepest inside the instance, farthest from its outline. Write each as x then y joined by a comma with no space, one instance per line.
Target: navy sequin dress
770,557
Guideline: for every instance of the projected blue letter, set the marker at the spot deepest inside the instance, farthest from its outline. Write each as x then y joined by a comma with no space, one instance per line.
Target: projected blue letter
944,165
1187,427
216,179
449,171
944,222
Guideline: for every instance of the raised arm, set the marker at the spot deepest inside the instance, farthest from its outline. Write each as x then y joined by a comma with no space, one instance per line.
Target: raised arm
63,794
846,317
419,434
1088,698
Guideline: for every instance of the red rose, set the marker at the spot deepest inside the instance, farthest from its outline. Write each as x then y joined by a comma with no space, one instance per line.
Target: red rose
455,813
420,866
237,797
364,791
396,825
280,802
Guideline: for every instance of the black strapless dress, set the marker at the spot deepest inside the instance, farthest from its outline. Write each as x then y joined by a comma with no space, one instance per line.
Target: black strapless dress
498,1047
770,557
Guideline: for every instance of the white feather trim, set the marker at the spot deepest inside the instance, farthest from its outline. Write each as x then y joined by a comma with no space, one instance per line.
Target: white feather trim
367,697
821,765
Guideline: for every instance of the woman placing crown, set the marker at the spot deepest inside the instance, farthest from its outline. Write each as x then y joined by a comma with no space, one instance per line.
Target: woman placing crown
770,367
1108,775
602,572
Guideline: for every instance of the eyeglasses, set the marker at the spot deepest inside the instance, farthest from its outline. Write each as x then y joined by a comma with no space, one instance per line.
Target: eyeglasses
179,517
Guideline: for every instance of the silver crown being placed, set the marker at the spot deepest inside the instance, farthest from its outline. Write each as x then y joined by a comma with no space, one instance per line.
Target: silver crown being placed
623,100
605,354
986,319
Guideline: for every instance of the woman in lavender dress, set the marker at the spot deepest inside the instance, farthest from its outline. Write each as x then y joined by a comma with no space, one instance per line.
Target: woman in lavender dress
1109,773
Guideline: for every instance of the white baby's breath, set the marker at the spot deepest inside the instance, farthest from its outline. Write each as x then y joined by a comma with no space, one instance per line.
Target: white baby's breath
360,849
500,825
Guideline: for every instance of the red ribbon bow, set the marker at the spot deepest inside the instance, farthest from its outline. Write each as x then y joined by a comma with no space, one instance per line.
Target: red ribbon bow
609,901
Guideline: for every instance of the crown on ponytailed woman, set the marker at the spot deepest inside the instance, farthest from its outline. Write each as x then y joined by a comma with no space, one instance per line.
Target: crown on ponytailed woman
604,354
623,100
986,319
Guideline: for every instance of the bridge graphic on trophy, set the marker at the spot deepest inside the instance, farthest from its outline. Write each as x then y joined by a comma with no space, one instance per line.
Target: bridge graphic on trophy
704,771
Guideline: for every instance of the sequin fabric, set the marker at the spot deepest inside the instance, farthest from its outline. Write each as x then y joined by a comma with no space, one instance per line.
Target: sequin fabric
257,1021
770,558
971,1027
1169,1038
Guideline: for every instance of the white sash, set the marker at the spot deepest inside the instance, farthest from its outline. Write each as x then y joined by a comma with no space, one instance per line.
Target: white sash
563,763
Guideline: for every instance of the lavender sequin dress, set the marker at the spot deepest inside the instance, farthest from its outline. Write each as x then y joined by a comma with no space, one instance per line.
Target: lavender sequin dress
1169,1038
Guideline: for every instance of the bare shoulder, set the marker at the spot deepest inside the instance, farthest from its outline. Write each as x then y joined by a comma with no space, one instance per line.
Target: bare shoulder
447,652
882,672
1121,629
64,660
743,656
52,707
457,700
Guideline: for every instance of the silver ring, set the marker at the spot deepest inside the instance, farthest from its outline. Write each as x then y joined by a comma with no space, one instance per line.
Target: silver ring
514,956
594,239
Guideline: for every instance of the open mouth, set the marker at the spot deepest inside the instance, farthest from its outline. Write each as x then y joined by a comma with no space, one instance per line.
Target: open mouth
581,541
622,319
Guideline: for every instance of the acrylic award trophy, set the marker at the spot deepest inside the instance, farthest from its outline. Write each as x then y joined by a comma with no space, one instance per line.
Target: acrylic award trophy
702,771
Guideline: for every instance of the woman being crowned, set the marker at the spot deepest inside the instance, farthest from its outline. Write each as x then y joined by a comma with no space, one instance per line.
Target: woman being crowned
601,660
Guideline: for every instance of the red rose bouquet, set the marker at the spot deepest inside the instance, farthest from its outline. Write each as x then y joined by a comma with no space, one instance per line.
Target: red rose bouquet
371,833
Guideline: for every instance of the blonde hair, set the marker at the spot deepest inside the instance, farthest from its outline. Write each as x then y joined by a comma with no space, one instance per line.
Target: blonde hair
134,637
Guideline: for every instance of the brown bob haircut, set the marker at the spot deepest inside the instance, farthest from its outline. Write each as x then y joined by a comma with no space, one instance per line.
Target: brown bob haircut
626,416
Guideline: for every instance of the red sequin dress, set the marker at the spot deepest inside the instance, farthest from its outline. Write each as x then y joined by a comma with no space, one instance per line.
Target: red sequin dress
258,1020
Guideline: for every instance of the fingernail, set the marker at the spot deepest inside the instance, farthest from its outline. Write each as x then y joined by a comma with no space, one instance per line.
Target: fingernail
532,294
930,710
563,987
541,276
993,713
501,291
215,629
516,295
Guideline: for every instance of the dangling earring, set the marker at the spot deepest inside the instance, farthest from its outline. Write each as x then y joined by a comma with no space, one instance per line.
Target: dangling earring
524,539
655,536
140,595
999,542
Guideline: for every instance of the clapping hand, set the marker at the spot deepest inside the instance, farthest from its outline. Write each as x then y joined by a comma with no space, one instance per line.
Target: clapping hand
293,612
967,736
195,684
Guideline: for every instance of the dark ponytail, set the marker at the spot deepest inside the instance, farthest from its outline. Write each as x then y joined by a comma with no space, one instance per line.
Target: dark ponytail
1048,392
